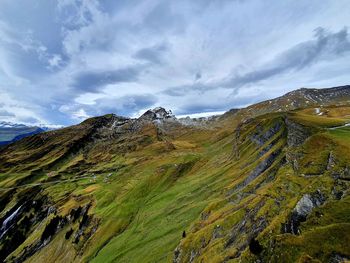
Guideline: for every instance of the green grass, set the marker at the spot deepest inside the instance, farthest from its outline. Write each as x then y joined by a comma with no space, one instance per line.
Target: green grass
159,188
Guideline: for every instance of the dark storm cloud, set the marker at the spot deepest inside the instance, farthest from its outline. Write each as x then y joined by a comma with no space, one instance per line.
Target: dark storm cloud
91,81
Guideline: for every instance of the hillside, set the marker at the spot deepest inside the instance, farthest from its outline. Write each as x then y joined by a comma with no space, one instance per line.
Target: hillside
268,183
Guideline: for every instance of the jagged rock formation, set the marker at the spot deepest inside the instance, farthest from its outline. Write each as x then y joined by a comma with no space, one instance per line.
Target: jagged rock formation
297,133
301,211
157,114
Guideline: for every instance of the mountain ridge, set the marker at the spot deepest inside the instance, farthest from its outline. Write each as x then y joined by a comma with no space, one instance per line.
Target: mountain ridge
254,184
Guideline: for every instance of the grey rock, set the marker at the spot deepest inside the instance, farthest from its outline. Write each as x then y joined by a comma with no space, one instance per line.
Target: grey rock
297,133
177,255
261,137
331,161
157,114
304,206
302,210
337,258
194,254
217,232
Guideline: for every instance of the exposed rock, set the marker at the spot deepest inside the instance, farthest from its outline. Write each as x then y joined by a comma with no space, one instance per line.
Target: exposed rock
205,215
338,194
297,133
345,175
249,226
259,169
9,221
331,161
337,258
304,206
194,254
85,220
21,219
217,232
157,114
177,255
301,211
52,228
260,137
201,122
293,159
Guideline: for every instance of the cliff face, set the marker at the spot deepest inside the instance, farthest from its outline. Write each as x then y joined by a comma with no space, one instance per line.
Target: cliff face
236,188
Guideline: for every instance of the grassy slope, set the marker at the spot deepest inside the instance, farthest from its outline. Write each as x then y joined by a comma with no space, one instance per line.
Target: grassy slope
155,193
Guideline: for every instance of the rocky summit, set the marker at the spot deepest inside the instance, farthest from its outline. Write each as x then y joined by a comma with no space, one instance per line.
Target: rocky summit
157,114
266,183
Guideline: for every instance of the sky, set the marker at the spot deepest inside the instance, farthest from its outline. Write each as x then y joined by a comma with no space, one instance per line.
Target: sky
62,61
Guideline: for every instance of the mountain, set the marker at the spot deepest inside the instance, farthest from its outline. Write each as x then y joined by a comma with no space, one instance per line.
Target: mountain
302,98
11,132
267,183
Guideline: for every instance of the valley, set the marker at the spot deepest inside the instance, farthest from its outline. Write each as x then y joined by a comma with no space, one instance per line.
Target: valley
266,183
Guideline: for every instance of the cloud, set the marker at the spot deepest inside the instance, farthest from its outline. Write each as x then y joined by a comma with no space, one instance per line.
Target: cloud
151,54
5,113
91,81
211,101
325,46
28,119
197,76
55,60
80,114
125,105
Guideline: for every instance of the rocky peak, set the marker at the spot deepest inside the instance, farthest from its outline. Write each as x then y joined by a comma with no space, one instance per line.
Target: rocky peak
157,114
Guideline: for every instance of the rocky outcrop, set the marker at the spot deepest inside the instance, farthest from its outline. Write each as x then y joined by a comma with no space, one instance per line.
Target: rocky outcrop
260,137
302,210
31,208
177,255
157,114
297,133
337,258
331,161
250,227
265,164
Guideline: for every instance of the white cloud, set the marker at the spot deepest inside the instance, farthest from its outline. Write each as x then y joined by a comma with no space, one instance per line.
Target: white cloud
80,115
55,60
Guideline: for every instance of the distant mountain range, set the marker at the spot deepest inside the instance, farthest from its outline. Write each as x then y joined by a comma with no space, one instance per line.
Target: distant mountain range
11,132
